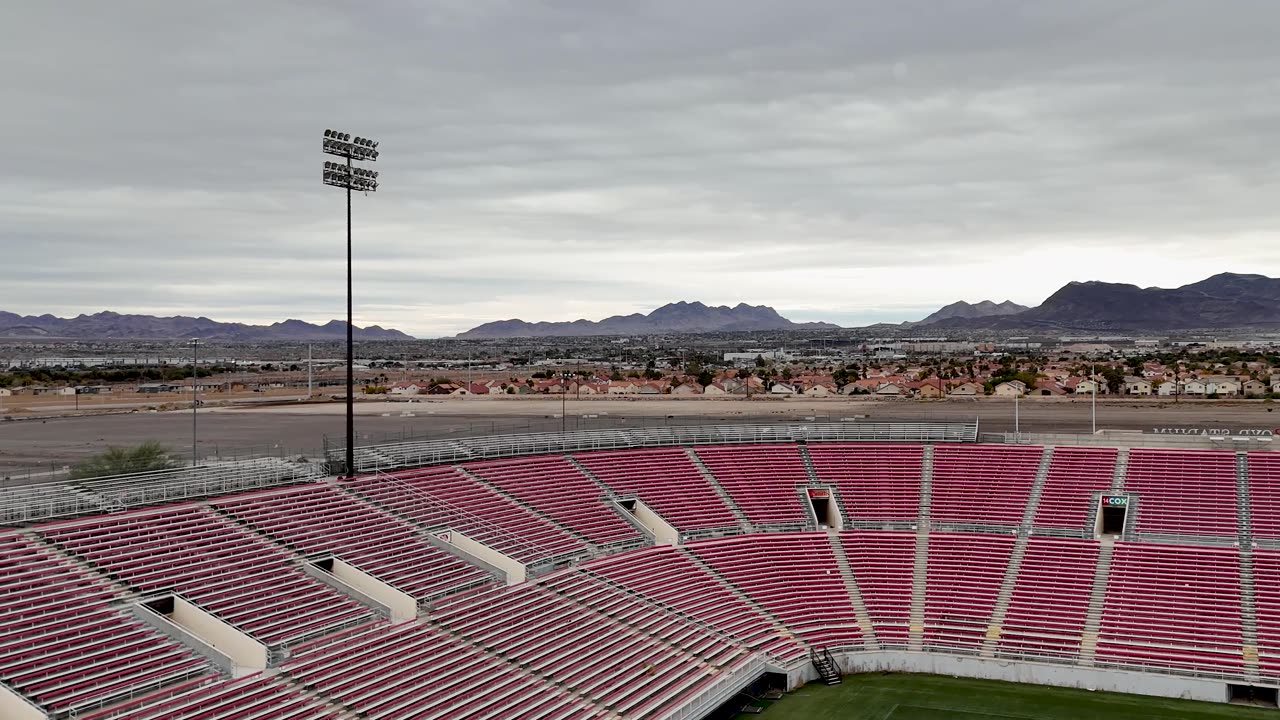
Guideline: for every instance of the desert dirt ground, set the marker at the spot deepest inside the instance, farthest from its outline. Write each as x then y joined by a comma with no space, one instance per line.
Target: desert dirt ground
35,445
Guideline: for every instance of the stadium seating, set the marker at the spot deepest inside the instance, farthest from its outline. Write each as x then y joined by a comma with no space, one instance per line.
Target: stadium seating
1266,584
1264,494
761,479
213,563
1050,598
63,644
319,518
1175,606
212,696
667,481
882,563
875,481
557,488
410,670
1190,492
986,484
1075,473
584,649
792,575
442,497
963,579
665,575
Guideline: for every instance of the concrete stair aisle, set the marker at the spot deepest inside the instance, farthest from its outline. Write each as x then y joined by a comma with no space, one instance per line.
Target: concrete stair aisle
1248,597
1037,489
1117,485
1097,598
921,563
855,593
809,471
750,602
332,705
743,523
1001,609
604,489
592,547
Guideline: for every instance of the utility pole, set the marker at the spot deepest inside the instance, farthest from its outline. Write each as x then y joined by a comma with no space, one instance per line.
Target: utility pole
195,394
309,374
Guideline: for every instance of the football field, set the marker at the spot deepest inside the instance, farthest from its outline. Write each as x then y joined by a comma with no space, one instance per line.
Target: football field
931,697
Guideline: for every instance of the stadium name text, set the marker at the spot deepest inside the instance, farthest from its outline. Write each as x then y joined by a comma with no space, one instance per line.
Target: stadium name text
1213,431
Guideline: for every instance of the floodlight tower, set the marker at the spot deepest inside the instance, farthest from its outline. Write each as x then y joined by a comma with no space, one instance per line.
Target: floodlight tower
347,176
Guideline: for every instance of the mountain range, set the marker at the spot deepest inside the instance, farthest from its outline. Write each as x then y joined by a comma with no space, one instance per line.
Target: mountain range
983,309
107,325
1226,300
672,318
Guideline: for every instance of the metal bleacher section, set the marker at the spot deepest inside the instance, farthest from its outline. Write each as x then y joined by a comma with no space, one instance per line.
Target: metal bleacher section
948,547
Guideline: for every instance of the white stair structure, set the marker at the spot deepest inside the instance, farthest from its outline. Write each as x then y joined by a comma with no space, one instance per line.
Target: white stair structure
921,567
1248,596
1097,598
855,593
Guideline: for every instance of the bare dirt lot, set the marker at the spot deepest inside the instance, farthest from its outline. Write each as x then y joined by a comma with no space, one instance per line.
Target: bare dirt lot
36,445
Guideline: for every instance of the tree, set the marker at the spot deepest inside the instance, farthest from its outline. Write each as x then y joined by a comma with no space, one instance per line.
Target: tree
148,456
706,377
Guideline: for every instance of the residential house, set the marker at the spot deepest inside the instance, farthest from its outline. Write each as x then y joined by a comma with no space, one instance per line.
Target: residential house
1010,388
651,388
687,389
623,387
889,389
446,388
1194,387
1254,388
820,390
967,389
407,388
1222,386
1047,388
781,388
1137,386
5,392
1086,386
931,388
720,388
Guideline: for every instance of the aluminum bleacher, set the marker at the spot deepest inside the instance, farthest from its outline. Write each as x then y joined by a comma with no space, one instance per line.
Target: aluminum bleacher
1264,494
963,579
411,670
983,484
212,562
556,487
1183,492
795,577
1174,606
664,575
443,497
875,481
667,481
320,519
882,563
761,479
598,656
65,646
259,696
1075,473
1266,583
1046,614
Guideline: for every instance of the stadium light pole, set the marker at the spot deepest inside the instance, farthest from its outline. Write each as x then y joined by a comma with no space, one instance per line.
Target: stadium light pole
350,177
195,395
1093,406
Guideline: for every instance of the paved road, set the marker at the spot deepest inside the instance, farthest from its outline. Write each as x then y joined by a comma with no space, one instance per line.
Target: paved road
28,446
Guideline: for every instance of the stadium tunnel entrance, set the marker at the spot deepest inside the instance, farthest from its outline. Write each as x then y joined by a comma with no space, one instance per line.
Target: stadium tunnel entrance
1113,511
1251,695
822,501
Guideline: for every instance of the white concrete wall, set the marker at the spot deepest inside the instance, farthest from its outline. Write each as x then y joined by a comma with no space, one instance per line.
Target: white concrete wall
401,605
515,570
1108,680
247,654
15,707
664,533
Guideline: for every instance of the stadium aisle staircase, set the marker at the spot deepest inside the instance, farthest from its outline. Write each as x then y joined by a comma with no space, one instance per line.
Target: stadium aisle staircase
1097,598
855,593
920,565
744,523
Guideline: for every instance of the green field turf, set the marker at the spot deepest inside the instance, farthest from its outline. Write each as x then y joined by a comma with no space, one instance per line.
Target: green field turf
932,697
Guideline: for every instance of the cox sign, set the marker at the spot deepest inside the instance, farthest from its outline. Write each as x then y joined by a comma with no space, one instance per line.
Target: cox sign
1115,501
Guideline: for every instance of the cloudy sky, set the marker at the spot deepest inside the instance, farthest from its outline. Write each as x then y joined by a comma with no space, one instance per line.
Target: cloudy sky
549,160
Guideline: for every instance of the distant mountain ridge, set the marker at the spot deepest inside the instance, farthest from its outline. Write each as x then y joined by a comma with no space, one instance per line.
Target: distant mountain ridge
1223,301
673,318
962,309
108,325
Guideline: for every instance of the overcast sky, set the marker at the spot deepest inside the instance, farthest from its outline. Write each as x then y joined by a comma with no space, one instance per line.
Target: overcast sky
845,161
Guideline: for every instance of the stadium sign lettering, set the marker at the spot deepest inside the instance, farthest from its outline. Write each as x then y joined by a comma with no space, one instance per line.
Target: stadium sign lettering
819,493
1253,432
1115,500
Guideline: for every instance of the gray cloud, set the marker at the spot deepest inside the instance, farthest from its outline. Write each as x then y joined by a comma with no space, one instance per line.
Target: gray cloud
855,161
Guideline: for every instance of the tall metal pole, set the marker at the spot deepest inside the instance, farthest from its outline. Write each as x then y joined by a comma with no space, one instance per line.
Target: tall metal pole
351,373
1017,433
1093,411
309,373
195,394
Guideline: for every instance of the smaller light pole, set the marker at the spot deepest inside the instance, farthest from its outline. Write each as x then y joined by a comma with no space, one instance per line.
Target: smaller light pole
195,394
1017,433
1093,408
